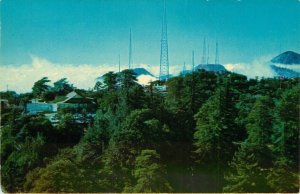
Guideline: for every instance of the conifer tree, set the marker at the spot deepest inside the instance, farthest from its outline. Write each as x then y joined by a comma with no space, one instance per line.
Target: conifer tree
150,174
253,159
283,177
215,128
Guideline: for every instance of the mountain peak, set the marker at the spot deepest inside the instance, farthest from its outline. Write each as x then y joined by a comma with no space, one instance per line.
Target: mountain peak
142,71
212,67
288,58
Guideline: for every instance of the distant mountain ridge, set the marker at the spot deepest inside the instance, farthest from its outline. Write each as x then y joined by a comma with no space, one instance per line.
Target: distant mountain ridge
288,58
142,71
143,76
285,72
211,67
286,64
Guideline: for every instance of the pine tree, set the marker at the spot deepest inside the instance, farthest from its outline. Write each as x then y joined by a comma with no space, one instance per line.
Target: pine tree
150,174
40,87
283,177
110,81
215,128
253,159
20,161
61,174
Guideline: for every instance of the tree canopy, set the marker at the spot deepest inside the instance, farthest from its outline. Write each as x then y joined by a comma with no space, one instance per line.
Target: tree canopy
208,132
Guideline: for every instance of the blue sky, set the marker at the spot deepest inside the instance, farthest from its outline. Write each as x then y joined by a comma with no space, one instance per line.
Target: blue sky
96,31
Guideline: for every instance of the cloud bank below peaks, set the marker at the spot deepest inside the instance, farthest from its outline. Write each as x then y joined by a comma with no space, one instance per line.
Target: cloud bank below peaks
258,68
21,78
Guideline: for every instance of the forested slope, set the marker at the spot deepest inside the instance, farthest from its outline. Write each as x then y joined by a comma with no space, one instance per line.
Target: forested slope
208,133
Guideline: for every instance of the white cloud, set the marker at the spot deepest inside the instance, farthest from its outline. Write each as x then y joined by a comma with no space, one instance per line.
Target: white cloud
145,79
291,67
258,68
21,78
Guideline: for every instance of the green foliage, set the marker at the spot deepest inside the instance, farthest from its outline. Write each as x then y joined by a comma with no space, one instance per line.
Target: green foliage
95,139
175,93
127,78
7,143
110,80
139,130
246,174
11,96
150,175
286,131
191,91
131,95
26,157
32,125
282,178
48,95
215,129
69,129
99,86
40,87
62,87
114,172
60,175
144,140
252,161
260,119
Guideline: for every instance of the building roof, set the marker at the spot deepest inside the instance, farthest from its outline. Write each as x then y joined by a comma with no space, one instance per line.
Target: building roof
74,97
73,94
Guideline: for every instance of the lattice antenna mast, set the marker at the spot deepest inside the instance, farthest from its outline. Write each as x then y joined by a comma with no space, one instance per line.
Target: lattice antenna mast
193,61
164,55
204,52
207,61
217,53
130,52
119,63
184,68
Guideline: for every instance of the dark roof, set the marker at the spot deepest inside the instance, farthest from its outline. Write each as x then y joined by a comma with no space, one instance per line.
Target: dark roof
73,97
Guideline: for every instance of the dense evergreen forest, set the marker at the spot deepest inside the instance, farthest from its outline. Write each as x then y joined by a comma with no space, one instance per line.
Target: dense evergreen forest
209,132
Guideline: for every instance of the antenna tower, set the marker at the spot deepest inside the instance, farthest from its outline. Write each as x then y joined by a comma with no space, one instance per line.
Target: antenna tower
164,55
217,54
207,61
204,52
119,63
193,61
130,52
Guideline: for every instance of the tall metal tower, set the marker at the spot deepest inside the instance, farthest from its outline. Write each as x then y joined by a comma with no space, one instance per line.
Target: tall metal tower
207,60
119,64
217,54
193,61
183,68
164,55
204,52
130,52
